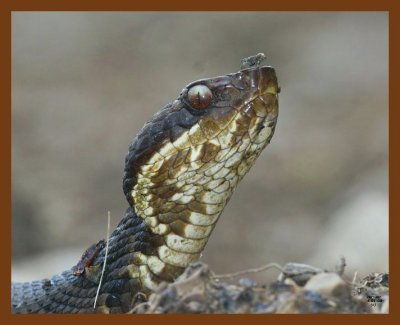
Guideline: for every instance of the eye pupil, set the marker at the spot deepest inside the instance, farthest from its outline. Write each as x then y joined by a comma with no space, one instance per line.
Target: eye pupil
199,96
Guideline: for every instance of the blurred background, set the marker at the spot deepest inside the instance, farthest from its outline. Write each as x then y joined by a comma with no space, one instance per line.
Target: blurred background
85,83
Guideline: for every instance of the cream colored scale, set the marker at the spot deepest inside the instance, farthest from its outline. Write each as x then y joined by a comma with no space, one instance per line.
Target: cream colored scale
200,189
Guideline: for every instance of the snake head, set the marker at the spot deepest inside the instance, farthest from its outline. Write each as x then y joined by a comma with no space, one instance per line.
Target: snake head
212,132
251,93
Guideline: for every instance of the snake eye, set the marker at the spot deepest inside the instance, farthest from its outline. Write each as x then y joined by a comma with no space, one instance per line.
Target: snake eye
199,96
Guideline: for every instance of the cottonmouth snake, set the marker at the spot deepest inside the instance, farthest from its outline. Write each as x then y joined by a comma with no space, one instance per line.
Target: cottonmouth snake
180,171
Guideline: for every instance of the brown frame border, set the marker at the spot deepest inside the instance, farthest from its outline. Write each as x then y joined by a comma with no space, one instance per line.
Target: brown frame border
6,9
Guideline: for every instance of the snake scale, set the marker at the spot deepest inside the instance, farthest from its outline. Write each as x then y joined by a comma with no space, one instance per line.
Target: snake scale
180,172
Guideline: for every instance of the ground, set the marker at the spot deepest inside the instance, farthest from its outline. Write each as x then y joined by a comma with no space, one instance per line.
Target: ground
299,288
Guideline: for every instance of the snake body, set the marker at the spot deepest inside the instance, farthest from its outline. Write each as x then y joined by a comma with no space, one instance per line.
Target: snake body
180,171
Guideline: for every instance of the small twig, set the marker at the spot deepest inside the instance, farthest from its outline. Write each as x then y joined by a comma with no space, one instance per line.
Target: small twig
256,270
354,278
105,260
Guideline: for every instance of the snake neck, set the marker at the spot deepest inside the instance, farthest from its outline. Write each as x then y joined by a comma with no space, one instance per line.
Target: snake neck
134,254
132,268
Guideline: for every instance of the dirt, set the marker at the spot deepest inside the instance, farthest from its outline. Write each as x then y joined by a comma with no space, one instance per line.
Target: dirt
299,288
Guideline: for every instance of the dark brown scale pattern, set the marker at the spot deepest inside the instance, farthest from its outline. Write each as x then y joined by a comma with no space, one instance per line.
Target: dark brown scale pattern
70,293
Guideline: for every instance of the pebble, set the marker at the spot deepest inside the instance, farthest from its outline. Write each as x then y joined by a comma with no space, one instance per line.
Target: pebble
328,284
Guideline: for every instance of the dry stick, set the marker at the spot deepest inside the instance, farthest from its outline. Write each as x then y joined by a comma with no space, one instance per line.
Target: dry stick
105,261
354,278
256,270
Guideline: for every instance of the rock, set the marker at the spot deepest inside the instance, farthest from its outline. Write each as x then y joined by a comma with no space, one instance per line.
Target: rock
300,273
328,285
359,231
